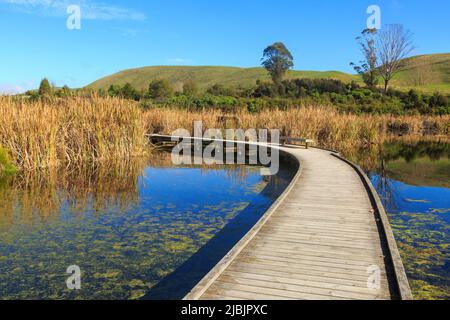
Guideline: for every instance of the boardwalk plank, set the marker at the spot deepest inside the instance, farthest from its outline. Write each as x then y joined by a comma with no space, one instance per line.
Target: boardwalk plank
318,243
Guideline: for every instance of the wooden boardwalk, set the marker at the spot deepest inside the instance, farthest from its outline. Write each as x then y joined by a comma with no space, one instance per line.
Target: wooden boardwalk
323,239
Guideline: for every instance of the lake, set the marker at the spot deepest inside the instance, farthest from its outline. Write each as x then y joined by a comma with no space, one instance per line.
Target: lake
146,229
413,181
143,229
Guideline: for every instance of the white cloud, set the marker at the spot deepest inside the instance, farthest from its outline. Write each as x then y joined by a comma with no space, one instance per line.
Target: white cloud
7,88
178,61
90,10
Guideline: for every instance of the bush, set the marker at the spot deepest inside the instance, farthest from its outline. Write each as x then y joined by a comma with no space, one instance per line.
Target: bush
160,89
190,88
291,93
6,165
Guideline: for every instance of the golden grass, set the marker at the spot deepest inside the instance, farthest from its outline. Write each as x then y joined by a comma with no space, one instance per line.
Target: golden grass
325,125
48,133
45,133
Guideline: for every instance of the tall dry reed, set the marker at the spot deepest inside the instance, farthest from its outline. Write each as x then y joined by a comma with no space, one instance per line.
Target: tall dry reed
42,134
326,126
46,133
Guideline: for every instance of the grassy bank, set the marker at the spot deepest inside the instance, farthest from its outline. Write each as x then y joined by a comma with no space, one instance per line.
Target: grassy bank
46,133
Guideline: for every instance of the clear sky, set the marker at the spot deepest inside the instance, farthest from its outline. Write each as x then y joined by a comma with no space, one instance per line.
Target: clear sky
119,34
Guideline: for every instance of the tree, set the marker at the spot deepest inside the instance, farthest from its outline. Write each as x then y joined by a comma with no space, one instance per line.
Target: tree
277,60
128,92
45,89
64,92
113,90
393,45
367,68
160,89
190,88
219,90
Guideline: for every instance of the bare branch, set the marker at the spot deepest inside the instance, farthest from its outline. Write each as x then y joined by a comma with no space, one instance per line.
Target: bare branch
394,44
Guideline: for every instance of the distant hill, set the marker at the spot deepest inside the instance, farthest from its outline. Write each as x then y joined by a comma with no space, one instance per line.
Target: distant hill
427,73
206,76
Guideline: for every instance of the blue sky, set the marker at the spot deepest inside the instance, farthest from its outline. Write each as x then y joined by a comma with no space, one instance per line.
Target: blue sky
118,34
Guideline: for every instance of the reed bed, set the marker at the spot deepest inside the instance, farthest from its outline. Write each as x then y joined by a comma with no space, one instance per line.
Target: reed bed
47,133
326,126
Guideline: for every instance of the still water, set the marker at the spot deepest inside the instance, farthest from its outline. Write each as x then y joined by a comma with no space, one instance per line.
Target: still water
139,230
149,230
413,181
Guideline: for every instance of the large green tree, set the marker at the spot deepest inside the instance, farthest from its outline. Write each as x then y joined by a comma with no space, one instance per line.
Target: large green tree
277,60
45,89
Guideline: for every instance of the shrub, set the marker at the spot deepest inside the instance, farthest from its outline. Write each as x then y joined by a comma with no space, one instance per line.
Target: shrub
6,165
160,89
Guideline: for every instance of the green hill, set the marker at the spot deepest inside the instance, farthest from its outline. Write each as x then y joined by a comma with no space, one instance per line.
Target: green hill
426,73
205,76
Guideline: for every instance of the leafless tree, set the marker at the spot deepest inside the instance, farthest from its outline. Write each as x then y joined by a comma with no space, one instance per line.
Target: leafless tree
394,44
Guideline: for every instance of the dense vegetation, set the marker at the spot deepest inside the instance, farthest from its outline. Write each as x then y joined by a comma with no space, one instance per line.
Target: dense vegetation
289,94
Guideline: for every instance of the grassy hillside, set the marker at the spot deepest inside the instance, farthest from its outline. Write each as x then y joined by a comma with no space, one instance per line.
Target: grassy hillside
427,73
205,76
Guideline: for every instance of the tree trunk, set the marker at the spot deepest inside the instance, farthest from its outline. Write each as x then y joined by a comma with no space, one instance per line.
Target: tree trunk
386,82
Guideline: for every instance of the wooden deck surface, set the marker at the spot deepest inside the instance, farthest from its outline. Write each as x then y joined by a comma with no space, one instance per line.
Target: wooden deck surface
322,241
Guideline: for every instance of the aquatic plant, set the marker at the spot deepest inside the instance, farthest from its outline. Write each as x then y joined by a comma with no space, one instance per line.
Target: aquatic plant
44,133
6,165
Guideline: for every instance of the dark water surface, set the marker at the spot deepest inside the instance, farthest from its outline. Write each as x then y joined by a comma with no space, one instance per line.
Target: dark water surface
413,181
140,230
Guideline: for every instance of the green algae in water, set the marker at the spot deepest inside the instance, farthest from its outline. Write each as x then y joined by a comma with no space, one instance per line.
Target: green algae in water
126,230
413,183
7,168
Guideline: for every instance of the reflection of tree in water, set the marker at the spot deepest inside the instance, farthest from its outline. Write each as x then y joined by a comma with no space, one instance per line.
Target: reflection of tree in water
434,150
369,157
30,197
384,186
38,197
374,160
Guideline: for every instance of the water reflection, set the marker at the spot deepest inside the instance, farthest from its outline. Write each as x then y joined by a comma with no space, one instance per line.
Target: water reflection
31,198
128,226
413,181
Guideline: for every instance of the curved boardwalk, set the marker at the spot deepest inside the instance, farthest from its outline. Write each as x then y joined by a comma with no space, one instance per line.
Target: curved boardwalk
321,240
